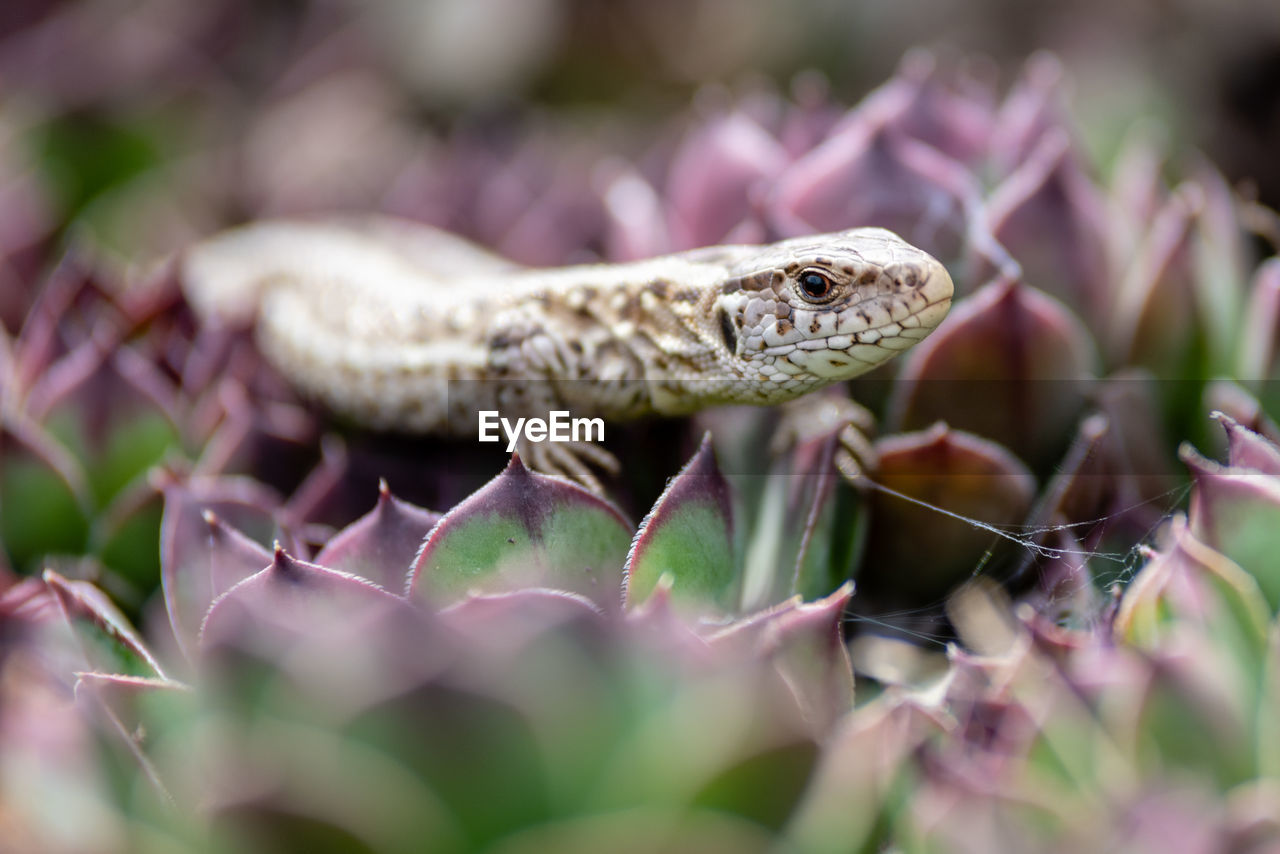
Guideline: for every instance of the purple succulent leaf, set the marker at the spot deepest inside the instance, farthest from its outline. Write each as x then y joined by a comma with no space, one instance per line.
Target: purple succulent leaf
714,176
1221,259
557,228
942,107
1051,218
637,225
524,529
135,707
1247,449
1069,495
21,437
27,222
290,602
744,638
806,644
382,544
233,557
112,409
255,433
1011,364
657,624
322,483
1257,358
867,757
1172,817
1064,593
508,623
49,744
1190,582
203,553
1113,483
1137,190
1233,400
790,551
1237,512
108,642
688,534
1137,439
983,618
39,343
810,116
1156,307
27,599
874,175
1032,110
946,468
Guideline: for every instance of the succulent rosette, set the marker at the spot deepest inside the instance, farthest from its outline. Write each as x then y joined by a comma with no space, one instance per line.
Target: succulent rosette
1047,653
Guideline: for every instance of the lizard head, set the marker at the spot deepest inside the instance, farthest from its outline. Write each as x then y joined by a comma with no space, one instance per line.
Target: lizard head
810,311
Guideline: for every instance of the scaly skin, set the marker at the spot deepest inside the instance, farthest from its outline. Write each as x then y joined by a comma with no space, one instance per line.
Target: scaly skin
400,326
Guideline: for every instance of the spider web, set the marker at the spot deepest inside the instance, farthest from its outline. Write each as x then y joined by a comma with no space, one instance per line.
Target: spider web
1105,570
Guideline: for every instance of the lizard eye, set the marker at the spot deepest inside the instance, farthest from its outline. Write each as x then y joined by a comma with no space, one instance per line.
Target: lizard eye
815,285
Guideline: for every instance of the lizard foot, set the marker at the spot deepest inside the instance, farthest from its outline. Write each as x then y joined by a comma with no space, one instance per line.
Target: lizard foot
819,415
856,456
573,460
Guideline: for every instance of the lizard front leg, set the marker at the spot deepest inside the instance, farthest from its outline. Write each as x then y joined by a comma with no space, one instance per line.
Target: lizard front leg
824,413
529,364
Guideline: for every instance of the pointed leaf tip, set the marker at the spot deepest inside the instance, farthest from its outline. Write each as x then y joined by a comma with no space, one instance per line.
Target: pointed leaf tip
689,534
524,529
1247,449
382,544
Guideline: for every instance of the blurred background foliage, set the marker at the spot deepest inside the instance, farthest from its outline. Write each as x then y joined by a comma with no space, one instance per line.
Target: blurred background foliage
708,708
106,95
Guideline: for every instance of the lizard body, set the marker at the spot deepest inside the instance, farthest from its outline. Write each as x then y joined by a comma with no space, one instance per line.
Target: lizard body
400,326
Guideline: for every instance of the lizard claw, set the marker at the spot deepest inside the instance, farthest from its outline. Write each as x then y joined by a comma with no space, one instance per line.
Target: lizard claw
856,456
822,415
818,415
570,460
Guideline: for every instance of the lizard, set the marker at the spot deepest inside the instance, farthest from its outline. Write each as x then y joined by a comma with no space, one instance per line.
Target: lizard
400,326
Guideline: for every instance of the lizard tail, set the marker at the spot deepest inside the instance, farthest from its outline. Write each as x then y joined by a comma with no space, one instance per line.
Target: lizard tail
226,277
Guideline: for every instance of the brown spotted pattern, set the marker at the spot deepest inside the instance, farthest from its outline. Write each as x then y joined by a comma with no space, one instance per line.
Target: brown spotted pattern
420,340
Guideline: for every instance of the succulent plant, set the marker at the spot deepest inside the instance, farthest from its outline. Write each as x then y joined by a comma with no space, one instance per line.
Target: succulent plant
1048,655
496,688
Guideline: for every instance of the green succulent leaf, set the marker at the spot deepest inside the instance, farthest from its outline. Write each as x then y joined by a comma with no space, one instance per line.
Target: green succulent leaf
524,529
109,643
1237,512
688,535
807,528
1191,581
640,830
44,496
